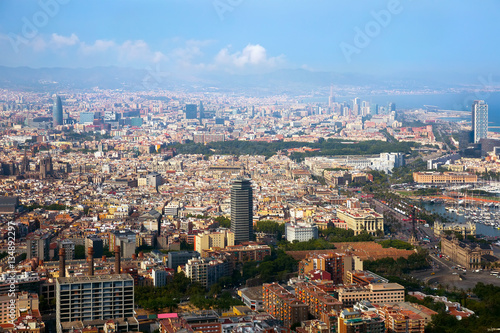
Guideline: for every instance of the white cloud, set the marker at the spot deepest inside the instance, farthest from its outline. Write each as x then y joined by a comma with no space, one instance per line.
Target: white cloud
253,55
99,46
61,41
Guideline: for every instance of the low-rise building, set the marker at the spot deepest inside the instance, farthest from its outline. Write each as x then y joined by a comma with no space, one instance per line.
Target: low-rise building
301,232
360,220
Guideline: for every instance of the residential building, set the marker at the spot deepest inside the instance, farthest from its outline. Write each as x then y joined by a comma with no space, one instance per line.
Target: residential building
207,271
283,305
351,321
379,293
332,263
96,243
219,239
69,248
316,299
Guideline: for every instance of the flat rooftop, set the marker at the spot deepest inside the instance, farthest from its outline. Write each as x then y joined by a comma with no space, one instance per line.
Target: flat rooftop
94,278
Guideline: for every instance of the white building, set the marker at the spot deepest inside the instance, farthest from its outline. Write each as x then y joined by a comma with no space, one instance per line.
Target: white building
300,231
159,277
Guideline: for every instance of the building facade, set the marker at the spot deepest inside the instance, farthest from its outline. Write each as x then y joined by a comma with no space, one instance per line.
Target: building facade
301,232
468,254
283,305
479,120
359,220
430,177
93,300
242,210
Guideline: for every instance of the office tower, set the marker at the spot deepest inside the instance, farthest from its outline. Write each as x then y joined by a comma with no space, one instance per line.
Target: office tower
87,117
202,111
331,99
479,120
392,107
93,300
356,107
191,110
57,111
242,210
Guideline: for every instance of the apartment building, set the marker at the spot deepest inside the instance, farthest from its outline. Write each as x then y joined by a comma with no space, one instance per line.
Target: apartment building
283,305
332,263
248,251
317,300
378,293
207,271
219,239
351,321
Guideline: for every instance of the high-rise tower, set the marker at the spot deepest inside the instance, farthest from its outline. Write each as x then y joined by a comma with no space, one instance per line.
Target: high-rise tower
242,210
479,120
191,111
57,111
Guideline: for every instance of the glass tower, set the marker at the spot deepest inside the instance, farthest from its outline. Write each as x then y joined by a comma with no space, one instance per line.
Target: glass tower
479,120
242,210
57,111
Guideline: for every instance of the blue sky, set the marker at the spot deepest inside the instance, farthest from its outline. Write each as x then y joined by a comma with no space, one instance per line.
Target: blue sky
247,36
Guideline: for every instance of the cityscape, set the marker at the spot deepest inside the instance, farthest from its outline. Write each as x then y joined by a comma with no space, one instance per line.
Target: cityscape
207,178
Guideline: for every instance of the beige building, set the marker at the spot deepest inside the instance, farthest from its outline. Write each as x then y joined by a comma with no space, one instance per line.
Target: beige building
219,239
359,219
378,293
468,254
431,177
466,229
22,302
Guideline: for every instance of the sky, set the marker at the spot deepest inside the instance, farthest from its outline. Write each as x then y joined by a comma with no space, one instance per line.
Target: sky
411,37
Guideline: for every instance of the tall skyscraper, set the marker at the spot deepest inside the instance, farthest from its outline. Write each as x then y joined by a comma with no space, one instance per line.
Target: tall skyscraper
392,107
479,120
356,106
202,111
57,111
242,210
331,98
191,111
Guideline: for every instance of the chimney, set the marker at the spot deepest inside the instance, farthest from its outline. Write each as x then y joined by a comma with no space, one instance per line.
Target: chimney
103,258
90,260
62,262
141,255
117,260
134,256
